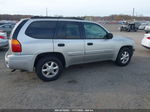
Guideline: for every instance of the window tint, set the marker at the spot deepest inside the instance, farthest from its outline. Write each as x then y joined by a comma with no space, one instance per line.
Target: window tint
41,29
68,30
94,31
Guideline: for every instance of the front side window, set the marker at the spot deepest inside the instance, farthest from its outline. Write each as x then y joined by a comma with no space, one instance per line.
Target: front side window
41,29
68,30
94,31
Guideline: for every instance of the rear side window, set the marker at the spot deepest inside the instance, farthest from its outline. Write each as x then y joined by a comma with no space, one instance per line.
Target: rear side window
68,30
41,29
18,28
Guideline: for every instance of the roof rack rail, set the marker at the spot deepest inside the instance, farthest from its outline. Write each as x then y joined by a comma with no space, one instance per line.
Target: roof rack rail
47,17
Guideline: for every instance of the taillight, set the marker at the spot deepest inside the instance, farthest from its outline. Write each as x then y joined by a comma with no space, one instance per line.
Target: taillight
2,37
16,46
148,38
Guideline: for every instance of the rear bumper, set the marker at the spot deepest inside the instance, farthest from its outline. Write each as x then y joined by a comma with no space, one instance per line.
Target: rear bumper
21,62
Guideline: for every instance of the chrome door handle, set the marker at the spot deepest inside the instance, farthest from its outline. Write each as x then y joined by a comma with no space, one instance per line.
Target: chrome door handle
61,45
89,44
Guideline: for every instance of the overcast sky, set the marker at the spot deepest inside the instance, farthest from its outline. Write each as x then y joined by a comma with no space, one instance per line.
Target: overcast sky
75,7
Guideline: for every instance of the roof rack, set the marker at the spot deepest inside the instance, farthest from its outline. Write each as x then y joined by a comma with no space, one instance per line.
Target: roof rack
47,17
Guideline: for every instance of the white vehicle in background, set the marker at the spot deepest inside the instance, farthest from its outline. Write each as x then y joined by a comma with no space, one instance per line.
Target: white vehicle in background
146,41
147,28
3,39
142,26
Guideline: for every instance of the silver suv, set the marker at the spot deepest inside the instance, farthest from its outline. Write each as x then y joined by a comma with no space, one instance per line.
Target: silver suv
47,45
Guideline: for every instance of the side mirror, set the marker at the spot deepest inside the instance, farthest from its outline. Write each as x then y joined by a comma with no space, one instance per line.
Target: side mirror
109,36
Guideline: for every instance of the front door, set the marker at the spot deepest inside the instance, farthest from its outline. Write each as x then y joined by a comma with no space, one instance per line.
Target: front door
97,47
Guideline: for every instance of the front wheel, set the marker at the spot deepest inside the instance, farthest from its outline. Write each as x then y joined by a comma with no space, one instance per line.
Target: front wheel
124,56
49,68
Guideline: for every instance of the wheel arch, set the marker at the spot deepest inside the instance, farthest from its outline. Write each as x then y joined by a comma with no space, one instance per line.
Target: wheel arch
55,54
125,46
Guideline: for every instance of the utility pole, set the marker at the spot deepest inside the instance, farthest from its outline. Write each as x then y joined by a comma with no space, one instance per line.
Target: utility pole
133,12
46,12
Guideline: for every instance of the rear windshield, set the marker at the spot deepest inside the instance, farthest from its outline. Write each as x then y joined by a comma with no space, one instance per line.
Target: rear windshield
17,28
41,29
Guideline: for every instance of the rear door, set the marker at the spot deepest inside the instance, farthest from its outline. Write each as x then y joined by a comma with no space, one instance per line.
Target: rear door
69,41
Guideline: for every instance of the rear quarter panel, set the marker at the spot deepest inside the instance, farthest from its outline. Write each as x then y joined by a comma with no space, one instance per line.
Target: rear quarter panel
32,46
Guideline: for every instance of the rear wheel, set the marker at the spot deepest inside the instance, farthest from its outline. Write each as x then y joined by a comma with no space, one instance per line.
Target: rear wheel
121,29
49,68
124,56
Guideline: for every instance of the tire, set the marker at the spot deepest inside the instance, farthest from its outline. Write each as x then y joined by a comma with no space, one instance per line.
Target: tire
49,68
121,29
124,52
